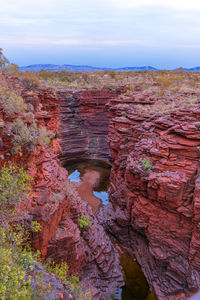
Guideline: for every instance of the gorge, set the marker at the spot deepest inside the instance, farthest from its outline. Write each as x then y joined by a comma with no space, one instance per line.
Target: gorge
154,194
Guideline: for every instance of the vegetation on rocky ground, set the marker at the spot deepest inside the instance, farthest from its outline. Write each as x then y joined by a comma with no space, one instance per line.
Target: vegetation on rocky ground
17,258
10,102
15,261
71,281
14,188
146,164
166,90
28,137
3,60
84,222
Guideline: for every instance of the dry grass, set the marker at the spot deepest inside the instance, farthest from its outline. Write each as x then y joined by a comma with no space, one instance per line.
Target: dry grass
169,90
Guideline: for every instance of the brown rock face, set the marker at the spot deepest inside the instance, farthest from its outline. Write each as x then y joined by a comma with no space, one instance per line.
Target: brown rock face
55,204
84,124
155,194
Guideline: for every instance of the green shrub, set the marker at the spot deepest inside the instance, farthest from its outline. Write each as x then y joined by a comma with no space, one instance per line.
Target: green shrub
75,285
146,164
58,269
84,222
14,264
11,68
11,102
41,289
76,289
3,60
35,226
30,80
26,138
14,187
73,282
44,136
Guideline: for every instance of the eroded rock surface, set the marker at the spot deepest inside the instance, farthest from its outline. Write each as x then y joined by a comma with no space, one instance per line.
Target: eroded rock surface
155,212
84,124
55,203
154,194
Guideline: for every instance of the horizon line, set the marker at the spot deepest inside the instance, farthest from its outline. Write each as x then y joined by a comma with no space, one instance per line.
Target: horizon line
109,68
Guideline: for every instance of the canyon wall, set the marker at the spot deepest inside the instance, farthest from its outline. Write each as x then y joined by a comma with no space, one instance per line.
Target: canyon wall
54,201
84,124
155,192
154,212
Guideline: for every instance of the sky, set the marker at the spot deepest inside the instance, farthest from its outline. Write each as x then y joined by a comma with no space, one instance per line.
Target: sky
102,33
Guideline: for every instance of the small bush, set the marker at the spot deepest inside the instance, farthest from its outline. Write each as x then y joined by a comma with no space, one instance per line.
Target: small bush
3,60
26,138
14,264
75,285
73,282
14,187
12,69
84,222
35,226
11,102
44,136
58,269
40,289
146,164
30,80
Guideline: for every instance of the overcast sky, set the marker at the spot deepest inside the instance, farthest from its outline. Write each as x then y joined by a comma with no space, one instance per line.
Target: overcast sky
109,33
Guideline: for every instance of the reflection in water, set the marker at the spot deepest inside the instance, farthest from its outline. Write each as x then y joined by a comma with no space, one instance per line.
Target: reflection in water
103,196
92,180
74,176
93,175
136,286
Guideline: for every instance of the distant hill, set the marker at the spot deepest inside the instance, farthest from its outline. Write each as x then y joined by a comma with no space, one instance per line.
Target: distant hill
192,69
72,68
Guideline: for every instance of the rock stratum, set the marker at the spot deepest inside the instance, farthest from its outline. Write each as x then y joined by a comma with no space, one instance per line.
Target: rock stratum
155,212
154,187
84,124
56,205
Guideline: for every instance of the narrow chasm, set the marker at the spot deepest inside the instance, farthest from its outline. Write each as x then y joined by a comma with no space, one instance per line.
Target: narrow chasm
123,215
91,178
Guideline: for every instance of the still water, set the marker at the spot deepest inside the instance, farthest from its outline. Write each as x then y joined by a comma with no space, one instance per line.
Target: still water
92,178
97,172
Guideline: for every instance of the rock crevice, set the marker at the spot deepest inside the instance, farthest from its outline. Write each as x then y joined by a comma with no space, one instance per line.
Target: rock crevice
84,124
154,194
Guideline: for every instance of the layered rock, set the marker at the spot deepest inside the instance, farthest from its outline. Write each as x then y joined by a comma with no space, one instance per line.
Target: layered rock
84,124
154,193
55,203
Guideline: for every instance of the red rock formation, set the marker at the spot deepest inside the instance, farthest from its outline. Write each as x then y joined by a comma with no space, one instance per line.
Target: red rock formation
155,212
55,204
84,124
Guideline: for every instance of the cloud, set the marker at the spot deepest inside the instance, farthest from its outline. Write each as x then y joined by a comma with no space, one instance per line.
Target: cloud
175,4
101,43
126,27
189,46
21,21
73,42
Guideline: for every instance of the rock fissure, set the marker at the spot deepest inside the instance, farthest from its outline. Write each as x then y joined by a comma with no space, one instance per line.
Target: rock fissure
153,212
